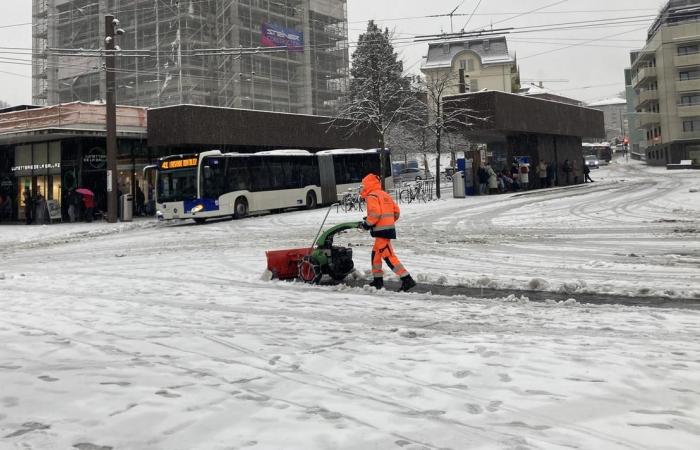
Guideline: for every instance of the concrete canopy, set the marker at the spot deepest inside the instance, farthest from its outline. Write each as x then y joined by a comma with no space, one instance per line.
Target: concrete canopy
204,127
505,114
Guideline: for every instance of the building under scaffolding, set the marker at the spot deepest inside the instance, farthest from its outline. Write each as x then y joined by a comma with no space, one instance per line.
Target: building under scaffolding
273,55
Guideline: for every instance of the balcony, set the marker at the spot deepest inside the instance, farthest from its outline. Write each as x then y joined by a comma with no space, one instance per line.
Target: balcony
647,97
688,85
647,119
692,59
689,110
644,74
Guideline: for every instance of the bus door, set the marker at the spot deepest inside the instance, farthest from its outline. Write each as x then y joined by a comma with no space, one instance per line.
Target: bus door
150,181
329,192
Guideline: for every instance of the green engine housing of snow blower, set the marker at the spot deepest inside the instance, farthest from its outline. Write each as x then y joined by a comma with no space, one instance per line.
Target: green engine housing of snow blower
325,258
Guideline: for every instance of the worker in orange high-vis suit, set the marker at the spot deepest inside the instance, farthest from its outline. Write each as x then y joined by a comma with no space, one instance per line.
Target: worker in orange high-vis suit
382,214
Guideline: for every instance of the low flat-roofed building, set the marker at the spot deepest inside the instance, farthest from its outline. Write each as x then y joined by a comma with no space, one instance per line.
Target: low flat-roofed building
516,126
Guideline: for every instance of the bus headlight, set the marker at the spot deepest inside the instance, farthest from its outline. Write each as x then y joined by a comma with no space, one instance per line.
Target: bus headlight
197,209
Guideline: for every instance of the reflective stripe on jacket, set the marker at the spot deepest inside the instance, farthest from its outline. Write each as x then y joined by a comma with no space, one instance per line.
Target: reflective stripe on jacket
382,214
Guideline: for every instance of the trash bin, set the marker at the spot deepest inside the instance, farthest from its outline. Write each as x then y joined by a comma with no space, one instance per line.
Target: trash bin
126,210
458,185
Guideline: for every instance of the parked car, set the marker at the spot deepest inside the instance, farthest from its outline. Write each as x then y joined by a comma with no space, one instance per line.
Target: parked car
592,161
411,174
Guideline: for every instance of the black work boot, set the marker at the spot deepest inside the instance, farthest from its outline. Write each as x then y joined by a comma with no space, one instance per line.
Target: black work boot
407,283
377,283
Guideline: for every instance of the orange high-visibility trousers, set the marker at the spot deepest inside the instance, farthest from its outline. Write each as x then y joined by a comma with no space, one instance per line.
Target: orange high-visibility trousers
383,250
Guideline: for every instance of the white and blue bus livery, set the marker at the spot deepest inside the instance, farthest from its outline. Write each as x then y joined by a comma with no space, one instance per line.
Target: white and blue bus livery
213,184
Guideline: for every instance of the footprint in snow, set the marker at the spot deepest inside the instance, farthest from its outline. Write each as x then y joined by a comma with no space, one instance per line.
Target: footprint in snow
274,360
494,406
462,374
47,378
91,446
165,393
505,378
474,408
28,427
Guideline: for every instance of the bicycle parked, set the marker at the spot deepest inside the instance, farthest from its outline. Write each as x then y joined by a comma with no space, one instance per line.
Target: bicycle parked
350,201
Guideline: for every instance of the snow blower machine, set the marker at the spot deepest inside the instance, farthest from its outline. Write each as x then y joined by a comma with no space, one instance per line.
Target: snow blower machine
322,258
310,264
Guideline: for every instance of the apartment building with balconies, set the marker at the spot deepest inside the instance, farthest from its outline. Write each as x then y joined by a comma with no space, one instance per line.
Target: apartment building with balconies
666,80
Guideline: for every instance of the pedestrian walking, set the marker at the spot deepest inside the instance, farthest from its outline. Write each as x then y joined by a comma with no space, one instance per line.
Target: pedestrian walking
542,174
493,180
552,174
28,206
586,173
483,180
566,168
382,214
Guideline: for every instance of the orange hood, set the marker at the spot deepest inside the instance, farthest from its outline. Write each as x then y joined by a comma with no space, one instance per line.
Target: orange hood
370,183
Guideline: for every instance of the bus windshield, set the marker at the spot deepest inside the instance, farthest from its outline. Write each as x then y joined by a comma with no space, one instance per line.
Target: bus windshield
177,185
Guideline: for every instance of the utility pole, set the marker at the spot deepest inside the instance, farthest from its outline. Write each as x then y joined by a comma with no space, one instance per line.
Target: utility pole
179,53
111,30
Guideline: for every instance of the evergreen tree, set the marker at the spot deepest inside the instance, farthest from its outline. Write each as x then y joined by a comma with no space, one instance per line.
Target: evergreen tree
379,96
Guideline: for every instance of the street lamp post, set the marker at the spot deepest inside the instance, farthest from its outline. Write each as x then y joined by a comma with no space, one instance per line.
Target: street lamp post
111,29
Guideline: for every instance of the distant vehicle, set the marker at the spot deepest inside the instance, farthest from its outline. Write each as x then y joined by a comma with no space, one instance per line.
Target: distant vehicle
398,166
603,151
592,161
411,174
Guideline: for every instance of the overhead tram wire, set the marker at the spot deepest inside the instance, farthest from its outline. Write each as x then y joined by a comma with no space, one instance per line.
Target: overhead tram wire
578,44
530,12
435,16
472,15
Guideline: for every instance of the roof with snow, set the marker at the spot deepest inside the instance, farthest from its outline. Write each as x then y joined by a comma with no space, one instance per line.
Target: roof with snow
533,89
609,102
490,50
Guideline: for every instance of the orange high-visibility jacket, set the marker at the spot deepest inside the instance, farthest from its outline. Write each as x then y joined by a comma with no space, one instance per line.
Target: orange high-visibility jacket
382,210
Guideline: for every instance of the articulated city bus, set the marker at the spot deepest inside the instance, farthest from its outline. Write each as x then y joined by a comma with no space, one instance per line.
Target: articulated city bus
214,184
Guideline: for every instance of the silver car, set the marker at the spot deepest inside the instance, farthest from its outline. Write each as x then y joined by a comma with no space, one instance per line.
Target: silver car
592,161
411,174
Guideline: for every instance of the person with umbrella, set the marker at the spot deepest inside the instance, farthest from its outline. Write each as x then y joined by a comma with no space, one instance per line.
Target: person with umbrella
88,202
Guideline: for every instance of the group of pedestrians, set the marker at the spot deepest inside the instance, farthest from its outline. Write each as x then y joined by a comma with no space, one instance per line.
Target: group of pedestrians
517,177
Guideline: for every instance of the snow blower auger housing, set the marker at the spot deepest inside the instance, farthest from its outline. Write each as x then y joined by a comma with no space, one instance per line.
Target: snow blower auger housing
310,264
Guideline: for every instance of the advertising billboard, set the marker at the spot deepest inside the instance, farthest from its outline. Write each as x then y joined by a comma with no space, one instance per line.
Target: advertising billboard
277,36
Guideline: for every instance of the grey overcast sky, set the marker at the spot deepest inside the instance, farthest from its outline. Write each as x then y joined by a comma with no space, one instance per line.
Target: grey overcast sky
591,60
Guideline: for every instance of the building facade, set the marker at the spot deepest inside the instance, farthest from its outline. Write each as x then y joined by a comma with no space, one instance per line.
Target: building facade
475,63
289,56
666,78
636,137
615,113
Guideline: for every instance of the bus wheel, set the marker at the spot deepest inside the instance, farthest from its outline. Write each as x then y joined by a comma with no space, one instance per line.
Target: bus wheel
311,202
199,220
240,208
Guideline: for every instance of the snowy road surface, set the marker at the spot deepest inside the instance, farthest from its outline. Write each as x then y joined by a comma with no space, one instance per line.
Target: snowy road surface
163,336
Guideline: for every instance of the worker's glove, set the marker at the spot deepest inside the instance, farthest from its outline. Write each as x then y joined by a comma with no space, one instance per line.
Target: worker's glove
364,225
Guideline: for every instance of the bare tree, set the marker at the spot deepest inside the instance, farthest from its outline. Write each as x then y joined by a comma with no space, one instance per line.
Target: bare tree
446,116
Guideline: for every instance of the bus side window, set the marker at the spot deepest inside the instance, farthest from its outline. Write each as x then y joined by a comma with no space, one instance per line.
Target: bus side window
237,174
275,168
259,174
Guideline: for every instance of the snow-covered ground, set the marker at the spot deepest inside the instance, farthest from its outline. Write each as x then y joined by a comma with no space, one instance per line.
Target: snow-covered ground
164,336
